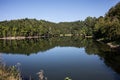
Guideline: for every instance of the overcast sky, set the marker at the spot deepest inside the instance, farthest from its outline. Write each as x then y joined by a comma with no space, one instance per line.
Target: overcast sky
54,10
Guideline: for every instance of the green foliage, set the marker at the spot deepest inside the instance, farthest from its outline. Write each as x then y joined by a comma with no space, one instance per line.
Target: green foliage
89,25
108,28
24,27
32,27
114,12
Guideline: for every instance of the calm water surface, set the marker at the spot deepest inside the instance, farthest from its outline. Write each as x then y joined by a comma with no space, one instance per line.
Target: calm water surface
59,58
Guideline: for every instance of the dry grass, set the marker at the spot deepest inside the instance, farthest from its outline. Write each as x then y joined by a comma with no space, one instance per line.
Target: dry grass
41,75
9,73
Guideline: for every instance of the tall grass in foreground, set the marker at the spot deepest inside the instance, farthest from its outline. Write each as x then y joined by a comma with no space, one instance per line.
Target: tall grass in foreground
9,73
13,73
42,76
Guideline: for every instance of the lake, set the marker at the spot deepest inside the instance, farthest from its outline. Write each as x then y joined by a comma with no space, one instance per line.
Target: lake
58,58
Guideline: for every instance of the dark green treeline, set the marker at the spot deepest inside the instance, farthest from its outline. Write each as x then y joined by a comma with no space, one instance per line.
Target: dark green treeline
104,28
32,27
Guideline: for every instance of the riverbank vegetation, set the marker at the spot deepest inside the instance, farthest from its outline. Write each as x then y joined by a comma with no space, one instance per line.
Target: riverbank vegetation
9,73
108,28
105,28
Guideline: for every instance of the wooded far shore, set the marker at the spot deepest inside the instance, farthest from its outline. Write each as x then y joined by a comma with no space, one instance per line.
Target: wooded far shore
105,28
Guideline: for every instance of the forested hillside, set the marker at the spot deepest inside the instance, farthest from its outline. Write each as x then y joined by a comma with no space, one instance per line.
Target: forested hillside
108,27
104,28
32,27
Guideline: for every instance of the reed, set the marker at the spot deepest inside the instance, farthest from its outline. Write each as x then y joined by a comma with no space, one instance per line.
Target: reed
9,73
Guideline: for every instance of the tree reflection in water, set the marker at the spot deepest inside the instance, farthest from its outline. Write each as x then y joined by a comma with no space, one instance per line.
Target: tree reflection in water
29,46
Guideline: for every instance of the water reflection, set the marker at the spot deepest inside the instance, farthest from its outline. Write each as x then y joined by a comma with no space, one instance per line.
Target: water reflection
30,46
110,56
27,47
41,75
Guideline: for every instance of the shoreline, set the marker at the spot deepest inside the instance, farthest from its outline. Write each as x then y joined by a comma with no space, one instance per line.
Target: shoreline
18,38
113,46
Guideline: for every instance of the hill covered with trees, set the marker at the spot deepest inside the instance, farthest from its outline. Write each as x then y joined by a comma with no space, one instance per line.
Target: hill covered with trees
32,27
106,28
